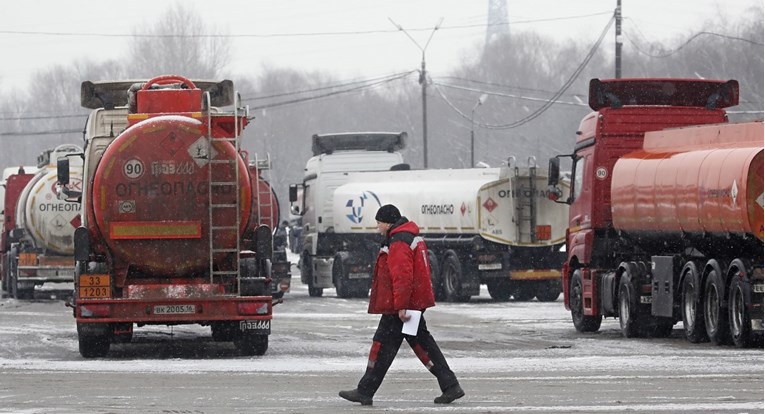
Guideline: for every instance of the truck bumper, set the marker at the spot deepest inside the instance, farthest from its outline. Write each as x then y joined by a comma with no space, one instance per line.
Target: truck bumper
173,310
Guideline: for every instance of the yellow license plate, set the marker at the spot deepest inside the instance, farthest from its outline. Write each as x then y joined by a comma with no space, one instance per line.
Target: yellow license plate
94,286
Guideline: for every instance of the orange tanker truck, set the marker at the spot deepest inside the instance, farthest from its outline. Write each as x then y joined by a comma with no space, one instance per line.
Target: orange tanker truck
170,230
666,212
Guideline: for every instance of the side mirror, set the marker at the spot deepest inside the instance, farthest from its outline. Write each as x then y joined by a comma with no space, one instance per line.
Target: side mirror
295,210
293,193
62,171
553,171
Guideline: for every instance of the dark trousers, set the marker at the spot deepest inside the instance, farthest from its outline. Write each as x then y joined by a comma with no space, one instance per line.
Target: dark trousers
385,345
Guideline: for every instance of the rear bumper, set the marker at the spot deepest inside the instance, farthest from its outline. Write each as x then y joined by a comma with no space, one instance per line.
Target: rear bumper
173,310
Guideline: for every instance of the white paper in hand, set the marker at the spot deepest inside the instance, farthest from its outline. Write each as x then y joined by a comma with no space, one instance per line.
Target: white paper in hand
410,326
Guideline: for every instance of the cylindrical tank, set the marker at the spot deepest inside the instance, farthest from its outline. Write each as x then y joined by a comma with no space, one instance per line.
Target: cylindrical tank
150,196
47,220
698,180
494,203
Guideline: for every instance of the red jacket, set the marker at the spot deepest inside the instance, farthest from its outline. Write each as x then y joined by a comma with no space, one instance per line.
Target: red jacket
402,273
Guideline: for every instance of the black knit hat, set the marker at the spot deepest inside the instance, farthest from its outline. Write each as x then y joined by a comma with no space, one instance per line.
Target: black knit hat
388,214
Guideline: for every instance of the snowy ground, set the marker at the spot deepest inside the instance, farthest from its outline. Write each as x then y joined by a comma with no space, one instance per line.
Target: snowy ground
509,356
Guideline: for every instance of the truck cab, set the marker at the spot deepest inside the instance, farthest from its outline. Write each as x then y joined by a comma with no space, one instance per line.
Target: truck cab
334,157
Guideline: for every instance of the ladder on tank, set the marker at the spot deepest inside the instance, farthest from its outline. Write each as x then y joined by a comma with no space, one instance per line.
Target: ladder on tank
220,173
526,202
263,199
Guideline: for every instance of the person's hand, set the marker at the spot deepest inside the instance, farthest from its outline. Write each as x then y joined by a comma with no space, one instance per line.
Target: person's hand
403,316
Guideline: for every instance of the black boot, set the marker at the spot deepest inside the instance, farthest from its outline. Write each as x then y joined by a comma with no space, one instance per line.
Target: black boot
450,395
356,396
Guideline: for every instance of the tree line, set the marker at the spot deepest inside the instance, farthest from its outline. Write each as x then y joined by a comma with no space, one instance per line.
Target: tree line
535,87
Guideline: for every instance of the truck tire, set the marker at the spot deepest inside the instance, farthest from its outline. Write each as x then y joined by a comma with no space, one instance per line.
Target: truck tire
691,308
628,315
344,287
223,331
452,277
715,314
548,291
435,276
523,292
4,282
94,344
13,283
250,344
582,322
499,289
306,274
740,320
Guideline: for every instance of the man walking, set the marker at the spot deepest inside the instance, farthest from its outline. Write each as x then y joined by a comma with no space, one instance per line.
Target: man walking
401,281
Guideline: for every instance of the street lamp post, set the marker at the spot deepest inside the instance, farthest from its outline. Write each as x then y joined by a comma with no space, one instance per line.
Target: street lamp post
424,84
480,102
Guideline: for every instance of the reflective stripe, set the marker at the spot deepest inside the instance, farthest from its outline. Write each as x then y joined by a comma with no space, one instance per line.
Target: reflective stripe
384,249
415,241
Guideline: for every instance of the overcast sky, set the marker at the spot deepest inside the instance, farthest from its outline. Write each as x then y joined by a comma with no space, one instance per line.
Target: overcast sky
35,34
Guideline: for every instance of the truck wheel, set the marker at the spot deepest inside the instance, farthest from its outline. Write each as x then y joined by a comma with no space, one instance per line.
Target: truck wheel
223,331
499,289
452,277
693,320
306,275
582,322
715,315
4,281
628,318
740,320
548,291
343,285
250,344
435,276
93,345
662,327
523,293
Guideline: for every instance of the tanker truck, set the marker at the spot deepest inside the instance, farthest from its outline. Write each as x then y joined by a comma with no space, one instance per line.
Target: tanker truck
39,241
335,156
483,226
666,212
492,226
168,234
13,183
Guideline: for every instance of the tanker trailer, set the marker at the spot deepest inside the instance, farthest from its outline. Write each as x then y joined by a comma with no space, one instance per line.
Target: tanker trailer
13,183
492,226
41,244
166,204
670,226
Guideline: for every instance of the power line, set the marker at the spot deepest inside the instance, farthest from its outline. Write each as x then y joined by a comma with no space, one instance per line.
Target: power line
686,43
23,133
507,95
268,35
549,102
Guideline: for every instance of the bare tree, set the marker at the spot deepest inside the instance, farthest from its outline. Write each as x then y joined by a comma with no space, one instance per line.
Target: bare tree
178,42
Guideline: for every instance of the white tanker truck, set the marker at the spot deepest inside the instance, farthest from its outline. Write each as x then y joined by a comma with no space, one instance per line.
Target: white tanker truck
41,242
492,226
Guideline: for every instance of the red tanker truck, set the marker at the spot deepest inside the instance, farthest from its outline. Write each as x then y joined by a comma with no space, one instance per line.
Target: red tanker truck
666,212
171,231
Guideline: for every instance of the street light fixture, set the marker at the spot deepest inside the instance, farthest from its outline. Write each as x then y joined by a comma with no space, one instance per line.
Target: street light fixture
481,100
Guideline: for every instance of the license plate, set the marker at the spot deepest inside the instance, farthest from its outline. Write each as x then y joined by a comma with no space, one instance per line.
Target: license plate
757,288
646,299
258,326
358,275
90,292
490,266
174,309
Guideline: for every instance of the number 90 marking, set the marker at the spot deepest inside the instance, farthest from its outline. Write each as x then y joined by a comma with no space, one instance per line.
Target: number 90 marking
133,168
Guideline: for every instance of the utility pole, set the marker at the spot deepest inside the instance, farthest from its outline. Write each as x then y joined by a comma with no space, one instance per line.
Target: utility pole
618,54
424,84
480,102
